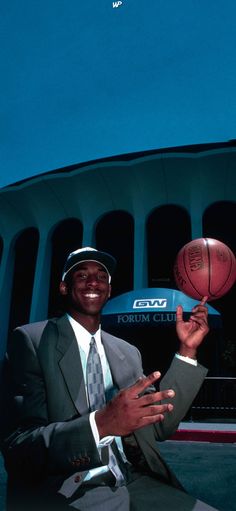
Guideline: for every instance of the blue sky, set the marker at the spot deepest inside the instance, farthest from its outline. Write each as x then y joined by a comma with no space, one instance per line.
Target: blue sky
84,79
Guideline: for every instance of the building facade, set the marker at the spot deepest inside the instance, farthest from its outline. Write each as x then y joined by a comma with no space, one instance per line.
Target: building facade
142,208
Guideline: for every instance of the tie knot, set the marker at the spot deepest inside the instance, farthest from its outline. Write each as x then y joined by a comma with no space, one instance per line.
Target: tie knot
92,341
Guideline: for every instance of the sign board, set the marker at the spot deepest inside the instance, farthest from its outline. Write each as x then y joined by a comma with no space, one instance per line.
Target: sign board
151,306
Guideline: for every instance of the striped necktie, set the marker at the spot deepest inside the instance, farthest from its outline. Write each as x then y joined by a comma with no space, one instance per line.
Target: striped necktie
96,399
94,374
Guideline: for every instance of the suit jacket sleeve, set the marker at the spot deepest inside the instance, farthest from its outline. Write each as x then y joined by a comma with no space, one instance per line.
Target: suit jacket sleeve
33,443
186,380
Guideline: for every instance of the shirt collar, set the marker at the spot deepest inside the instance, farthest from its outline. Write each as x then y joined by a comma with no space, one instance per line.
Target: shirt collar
82,335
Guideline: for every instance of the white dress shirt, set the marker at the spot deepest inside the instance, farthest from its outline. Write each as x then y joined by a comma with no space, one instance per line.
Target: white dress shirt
83,338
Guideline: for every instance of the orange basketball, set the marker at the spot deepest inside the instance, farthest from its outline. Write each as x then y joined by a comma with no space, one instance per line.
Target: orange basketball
205,267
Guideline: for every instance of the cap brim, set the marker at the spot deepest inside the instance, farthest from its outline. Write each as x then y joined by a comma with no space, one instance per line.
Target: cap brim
106,260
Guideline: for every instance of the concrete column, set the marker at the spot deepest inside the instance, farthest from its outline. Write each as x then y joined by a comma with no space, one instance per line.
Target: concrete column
140,253
197,198
88,234
196,222
39,304
6,279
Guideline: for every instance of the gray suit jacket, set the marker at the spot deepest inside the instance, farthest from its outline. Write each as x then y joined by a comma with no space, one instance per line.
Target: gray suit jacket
48,436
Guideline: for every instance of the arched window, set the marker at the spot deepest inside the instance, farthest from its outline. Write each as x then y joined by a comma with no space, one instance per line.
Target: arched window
1,248
66,237
219,222
115,234
26,248
168,229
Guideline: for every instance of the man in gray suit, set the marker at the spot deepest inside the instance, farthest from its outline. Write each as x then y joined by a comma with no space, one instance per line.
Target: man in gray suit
65,448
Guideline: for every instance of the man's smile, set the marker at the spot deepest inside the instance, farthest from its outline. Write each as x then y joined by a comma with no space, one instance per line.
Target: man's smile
91,295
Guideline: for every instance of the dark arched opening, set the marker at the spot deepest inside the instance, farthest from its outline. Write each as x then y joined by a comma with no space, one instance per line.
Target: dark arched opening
115,234
219,222
26,248
168,229
66,237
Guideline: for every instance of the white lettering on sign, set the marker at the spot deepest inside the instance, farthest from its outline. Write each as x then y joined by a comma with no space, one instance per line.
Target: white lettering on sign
116,4
158,317
133,318
147,303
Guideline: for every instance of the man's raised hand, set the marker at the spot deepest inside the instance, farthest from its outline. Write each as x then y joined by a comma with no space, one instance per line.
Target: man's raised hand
131,409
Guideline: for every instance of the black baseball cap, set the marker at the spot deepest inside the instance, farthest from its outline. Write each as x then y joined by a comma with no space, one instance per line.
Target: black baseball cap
89,254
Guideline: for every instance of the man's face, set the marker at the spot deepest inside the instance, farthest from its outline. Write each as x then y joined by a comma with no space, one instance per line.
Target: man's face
87,288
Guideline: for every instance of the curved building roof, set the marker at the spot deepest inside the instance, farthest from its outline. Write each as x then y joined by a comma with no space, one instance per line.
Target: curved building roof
94,79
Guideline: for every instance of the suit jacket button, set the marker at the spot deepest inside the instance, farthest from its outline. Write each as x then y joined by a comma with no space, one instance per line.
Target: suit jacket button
76,463
77,478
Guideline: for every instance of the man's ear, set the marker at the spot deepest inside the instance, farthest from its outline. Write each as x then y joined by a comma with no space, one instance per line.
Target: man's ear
63,288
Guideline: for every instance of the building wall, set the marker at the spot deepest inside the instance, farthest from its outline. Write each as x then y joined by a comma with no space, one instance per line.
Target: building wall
133,207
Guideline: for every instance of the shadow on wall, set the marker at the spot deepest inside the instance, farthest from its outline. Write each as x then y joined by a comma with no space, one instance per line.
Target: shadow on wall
3,482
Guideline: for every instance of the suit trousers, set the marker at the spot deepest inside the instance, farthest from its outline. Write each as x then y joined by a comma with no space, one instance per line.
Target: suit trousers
142,492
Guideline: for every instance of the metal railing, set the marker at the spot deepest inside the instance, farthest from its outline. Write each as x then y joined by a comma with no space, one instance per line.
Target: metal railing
217,397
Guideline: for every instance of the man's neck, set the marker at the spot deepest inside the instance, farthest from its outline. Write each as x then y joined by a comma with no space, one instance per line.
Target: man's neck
90,323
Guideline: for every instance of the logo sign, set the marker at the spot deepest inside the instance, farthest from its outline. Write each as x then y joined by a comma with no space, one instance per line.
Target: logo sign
148,303
115,5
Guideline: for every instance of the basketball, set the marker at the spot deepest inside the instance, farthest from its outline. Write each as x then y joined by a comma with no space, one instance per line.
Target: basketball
205,267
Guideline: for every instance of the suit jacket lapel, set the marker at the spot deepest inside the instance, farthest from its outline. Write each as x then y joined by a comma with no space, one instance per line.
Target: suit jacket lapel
117,361
70,364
